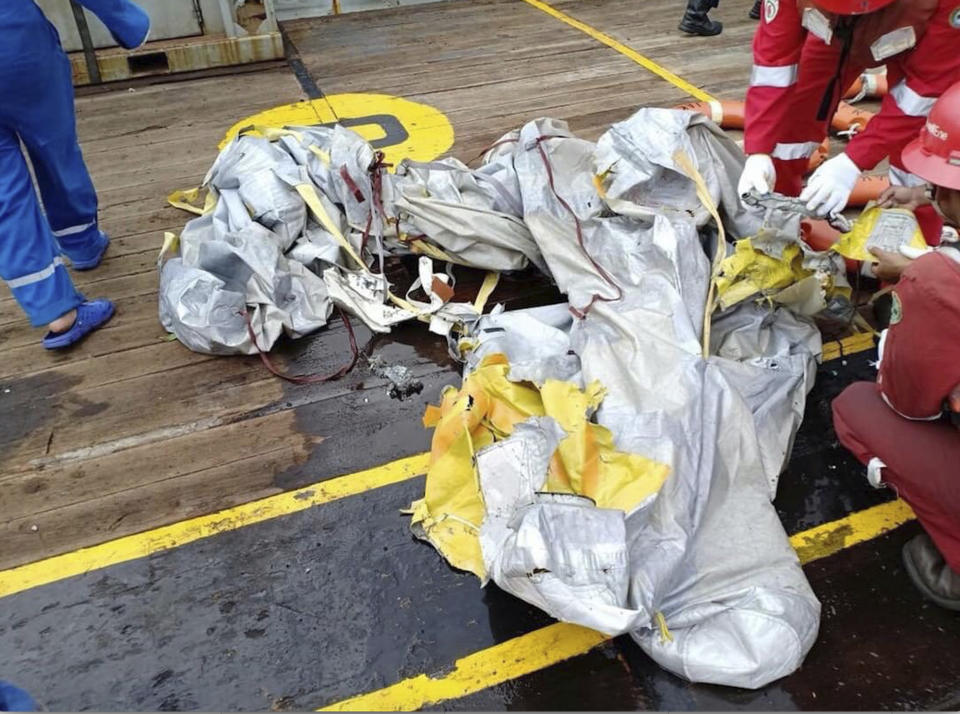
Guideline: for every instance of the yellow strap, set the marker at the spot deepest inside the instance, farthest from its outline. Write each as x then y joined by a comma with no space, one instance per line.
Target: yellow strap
405,304
320,153
490,282
273,133
309,194
703,193
431,251
665,634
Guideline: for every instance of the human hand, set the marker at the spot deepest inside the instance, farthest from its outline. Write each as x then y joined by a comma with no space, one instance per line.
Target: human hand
889,266
909,197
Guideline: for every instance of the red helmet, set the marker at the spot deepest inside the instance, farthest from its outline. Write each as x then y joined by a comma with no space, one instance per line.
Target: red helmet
935,155
851,7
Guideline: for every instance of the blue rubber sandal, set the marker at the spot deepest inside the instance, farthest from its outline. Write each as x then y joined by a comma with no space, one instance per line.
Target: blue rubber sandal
90,315
94,261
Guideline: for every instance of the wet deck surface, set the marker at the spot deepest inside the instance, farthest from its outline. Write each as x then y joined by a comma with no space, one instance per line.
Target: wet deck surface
130,432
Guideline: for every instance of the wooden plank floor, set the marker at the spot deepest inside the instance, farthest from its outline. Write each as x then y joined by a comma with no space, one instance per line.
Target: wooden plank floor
129,431
491,66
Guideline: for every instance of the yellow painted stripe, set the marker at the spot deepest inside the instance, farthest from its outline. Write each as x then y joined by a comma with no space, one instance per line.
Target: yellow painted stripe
829,538
623,49
847,346
139,545
553,644
500,663
143,544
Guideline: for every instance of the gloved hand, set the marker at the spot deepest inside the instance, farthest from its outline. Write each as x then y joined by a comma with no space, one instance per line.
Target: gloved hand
828,190
758,175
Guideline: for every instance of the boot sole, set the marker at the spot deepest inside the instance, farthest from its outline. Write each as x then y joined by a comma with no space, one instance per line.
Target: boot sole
922,586
697,33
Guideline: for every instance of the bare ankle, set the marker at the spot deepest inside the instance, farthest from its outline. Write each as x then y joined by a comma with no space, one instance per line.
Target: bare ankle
64,322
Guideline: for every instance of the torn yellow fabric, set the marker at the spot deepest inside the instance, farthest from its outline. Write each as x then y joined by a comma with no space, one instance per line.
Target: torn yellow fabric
485,409
170,247
193,200
748,272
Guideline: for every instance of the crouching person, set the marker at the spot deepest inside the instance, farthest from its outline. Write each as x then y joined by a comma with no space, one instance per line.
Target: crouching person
905,426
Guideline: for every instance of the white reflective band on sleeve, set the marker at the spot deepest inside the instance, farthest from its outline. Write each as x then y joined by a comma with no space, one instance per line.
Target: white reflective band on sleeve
785,76
911,103
716,111
35,277
899,177
74,229
802,150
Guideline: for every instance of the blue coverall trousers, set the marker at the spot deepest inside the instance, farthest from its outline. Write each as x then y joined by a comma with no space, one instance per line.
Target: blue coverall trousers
36,108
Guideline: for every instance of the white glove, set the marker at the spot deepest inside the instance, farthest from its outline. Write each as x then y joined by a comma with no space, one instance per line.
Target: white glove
758,175
828,190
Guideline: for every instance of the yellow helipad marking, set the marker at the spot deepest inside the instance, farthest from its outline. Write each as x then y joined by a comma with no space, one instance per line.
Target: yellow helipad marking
553,644
429,132
143,544
139,545
623,49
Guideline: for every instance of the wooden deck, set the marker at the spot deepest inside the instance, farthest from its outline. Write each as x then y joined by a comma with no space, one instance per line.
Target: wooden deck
129,431
327,596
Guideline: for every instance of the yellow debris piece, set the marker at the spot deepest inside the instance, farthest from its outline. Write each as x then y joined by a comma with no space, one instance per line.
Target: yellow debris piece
170,247
750,271
195,200
486,409
854,244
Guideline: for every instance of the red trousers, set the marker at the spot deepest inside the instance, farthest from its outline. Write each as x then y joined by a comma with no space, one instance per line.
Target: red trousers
919,369
922,458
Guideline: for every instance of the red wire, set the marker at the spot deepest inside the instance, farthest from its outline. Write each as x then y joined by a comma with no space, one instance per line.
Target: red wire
376,185
355,352
309,378
599,268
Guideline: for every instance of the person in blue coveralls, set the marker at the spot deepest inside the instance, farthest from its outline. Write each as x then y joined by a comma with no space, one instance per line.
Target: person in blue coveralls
36,109
14,699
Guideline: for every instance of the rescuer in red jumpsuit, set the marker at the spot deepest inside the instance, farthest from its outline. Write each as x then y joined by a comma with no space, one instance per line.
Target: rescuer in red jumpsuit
906,426
806,53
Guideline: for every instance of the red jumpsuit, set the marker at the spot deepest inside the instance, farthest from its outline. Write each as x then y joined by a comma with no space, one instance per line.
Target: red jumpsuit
897,420
792,68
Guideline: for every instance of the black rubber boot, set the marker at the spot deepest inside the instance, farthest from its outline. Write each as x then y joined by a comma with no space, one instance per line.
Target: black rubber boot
755,10
695,20
930,572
